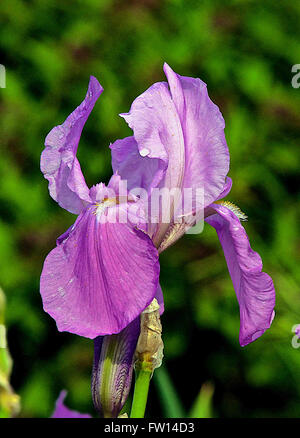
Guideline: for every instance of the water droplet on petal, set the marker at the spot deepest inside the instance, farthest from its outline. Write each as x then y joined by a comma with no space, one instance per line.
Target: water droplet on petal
144,152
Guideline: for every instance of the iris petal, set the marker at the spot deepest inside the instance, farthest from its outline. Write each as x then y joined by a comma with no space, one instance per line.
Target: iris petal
226,189
137,170
58,160
254,288
100,277
157,130
177,125
206,151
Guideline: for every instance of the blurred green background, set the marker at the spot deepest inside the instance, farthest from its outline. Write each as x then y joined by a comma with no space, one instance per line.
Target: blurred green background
244,51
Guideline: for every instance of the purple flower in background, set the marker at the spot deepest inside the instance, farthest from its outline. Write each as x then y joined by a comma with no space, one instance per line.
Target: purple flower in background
104,273
61,411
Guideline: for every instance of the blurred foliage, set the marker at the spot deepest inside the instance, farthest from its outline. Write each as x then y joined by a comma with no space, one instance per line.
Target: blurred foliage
244,51
9,401
171,403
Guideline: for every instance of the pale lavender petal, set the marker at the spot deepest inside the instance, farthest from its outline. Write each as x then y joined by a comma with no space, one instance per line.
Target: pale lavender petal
58,160
206,151
138,171
112,369
101,276
101,191
158,133
61,411
116,188
254,288
177,123
226,189
157,130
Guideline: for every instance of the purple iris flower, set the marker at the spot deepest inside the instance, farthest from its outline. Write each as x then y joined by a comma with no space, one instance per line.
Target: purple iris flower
179,141
104,273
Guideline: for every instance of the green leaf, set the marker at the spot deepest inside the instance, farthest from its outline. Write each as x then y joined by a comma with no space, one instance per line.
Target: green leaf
202,407
171,404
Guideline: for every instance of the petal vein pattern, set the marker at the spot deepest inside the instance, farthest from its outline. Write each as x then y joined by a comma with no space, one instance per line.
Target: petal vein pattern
100,277
59,163
254,289
177,124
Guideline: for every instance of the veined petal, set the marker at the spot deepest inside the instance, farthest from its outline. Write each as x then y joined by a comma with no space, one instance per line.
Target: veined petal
178,125
101,276
158,133
139,171
226,188
61,411
157,130
58,160
112,370
206,151
254,288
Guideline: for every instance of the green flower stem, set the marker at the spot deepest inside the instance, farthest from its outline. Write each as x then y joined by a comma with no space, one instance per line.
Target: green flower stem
140,396
148,357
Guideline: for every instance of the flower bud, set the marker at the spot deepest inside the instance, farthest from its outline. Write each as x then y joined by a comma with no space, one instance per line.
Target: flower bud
112,370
